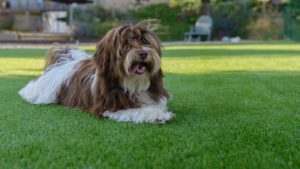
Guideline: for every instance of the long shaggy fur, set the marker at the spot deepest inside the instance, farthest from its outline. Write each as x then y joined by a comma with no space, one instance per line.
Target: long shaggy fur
121,80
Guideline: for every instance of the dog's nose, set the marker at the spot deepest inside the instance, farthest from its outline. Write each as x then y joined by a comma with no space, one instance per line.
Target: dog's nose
143,55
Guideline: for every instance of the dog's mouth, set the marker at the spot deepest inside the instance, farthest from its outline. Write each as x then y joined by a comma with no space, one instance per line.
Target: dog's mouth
138,68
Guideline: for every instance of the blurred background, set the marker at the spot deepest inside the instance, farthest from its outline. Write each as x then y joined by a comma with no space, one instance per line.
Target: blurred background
181,20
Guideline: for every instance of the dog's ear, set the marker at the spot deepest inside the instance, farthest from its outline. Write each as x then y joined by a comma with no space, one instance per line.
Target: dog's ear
156,89
150,24
105,52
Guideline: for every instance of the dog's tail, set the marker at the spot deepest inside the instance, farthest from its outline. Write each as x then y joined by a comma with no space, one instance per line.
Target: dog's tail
60,54
56,54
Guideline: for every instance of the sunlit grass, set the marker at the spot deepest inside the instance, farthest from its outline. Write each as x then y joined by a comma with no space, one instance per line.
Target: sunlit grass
276,47
21,66
246,63
189,59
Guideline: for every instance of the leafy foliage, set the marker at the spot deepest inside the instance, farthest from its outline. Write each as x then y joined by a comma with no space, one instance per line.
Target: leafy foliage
261,28
172,23
95,21
230,19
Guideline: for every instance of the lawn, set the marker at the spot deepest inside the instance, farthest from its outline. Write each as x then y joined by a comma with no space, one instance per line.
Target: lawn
237,106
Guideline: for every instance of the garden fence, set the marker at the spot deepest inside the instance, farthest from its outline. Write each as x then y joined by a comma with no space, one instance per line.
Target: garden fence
292,20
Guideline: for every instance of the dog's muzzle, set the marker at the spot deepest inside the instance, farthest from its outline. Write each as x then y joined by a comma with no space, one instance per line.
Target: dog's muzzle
140,61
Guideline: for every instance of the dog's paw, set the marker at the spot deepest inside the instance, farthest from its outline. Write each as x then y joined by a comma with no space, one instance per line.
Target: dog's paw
163,117
140,116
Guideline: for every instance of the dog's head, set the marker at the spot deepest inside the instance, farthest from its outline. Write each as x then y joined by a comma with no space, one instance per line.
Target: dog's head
131,54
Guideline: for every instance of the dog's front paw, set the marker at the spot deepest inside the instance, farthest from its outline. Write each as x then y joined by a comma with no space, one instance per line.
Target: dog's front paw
141,115
163,117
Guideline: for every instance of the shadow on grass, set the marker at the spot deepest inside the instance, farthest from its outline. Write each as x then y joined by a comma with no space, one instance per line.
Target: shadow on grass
13,82
221,93
10,86
215,53
24,53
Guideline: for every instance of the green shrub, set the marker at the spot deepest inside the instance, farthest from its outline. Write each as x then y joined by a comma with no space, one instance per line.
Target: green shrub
230,19
94,22
101,28
6,22
266,27
173,21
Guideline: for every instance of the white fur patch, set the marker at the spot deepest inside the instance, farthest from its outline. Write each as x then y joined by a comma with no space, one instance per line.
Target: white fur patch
156,113
136,83
44,89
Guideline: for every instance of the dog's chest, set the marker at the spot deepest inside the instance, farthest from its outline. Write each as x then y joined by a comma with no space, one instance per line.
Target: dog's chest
136,84
144,98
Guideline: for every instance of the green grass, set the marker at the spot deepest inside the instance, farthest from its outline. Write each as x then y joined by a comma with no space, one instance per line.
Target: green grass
237,106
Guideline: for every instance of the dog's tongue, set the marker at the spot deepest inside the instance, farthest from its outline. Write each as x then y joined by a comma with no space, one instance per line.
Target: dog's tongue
137,69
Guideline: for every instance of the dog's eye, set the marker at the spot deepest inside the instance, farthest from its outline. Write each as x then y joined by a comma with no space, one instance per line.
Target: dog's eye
144,41
132,37
129,39
126,42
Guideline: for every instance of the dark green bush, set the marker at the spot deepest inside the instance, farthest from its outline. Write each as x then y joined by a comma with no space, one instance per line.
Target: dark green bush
266,27
100,29
230,19
173,22
94,22
6,22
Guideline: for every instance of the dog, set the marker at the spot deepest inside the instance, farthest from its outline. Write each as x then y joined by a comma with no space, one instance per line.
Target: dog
122,80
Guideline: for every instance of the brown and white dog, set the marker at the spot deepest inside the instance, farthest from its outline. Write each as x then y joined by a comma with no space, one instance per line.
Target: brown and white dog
121,81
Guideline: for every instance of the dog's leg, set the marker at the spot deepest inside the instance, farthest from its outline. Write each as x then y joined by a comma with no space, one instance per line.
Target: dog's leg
147,114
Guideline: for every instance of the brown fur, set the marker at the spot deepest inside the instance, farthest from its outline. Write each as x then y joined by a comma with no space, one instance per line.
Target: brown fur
54,53
108,94
77,93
